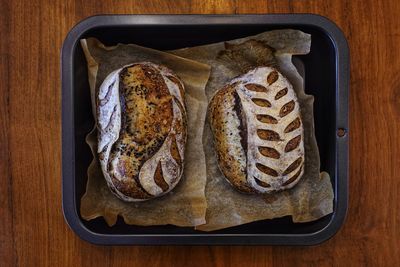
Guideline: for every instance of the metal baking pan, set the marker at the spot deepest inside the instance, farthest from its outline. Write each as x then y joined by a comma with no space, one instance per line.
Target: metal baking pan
326,70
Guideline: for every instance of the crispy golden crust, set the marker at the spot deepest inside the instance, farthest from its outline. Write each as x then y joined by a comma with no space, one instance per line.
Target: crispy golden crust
146,105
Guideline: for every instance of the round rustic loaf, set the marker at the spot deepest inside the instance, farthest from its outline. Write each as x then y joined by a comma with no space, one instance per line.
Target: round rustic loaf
258,132
141,122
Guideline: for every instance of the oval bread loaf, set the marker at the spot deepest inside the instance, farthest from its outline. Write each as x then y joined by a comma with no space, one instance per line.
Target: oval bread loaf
141,121
258,132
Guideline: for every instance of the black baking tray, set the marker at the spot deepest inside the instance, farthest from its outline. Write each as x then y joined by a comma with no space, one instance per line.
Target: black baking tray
326,70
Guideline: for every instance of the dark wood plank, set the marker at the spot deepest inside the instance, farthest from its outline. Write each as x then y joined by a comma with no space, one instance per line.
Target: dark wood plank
33,231
6,202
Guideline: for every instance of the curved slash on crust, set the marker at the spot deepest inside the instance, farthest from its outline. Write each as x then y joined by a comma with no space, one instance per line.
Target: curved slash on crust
264,118
281,93
107,97
269,152
159,178
268,135
293,125
181,107
136,191
174,151
261,102
287,108
256,87
293,178
293,144
261,183
293,166
176,81
112,118
272,77
267,170
242,123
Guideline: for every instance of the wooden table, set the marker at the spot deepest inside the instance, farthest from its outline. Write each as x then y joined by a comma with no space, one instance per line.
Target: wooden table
32,227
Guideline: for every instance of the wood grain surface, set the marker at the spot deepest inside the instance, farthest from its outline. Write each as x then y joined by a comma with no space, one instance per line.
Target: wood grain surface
32,227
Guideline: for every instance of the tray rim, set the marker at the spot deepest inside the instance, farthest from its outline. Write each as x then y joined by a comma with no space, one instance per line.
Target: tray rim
68,143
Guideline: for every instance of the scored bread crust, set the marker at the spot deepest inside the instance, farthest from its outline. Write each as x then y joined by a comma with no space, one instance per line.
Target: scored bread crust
258,132
141,122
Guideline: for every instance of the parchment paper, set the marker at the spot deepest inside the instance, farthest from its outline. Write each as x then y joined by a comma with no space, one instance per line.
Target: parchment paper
312,197
185,205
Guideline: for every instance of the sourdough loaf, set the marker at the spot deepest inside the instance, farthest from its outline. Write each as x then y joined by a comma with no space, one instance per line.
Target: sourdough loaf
141,122
258,132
